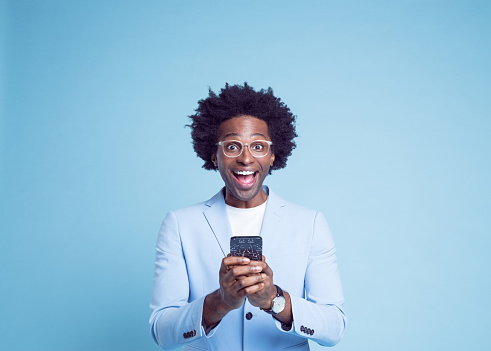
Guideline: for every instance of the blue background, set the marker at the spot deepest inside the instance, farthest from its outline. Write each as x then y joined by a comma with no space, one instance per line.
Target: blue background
392,99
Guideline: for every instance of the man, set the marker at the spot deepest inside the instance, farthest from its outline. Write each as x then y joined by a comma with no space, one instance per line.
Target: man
205,299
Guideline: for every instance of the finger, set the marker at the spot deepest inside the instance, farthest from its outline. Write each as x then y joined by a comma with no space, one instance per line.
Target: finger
238,271
230,261
250,281
261,264
229,278
245,285
252,289
235,260
266,268
268,271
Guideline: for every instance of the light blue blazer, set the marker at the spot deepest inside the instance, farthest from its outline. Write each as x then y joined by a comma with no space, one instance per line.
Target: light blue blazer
298,247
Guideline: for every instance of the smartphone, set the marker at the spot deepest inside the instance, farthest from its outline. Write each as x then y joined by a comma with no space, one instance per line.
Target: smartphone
247,246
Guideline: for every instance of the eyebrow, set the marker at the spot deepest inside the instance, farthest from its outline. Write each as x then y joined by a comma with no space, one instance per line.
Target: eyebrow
238,135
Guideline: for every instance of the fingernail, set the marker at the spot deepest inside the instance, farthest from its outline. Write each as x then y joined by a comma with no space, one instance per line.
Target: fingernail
263,276
246,260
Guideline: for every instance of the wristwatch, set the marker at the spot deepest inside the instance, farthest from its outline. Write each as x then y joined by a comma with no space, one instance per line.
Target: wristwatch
278,304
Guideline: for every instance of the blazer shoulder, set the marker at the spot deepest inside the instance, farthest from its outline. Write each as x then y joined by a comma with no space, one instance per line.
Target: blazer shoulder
196,208
199,207
291,208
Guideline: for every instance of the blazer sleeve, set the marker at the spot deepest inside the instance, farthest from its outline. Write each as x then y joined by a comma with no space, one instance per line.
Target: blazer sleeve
174,320
319,316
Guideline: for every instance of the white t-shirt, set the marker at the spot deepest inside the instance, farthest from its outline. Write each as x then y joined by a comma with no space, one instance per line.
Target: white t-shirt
246,221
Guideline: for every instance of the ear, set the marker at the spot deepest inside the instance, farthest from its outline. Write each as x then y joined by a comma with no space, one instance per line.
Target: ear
271,160
214,160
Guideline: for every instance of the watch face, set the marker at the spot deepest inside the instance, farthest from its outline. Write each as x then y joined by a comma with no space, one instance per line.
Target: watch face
279,304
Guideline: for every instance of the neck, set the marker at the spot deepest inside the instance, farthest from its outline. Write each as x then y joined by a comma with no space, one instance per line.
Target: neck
257,200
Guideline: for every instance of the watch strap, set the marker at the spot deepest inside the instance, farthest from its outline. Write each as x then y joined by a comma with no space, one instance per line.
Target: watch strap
279,291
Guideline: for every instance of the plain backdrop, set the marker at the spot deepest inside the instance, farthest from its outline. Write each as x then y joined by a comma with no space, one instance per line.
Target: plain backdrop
393,106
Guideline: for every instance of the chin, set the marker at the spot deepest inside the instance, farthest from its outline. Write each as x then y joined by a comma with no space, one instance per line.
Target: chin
248,195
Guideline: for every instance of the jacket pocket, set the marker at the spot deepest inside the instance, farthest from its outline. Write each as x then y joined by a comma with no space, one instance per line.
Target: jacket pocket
304,345
191,347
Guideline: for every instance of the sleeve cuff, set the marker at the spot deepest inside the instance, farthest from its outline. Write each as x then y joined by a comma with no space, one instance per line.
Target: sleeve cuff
210,330
285,328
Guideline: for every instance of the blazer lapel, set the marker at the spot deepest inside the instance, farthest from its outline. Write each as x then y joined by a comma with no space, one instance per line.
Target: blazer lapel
271,221
216,215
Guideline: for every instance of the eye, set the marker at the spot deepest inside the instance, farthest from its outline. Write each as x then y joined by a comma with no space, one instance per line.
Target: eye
258,146
232,147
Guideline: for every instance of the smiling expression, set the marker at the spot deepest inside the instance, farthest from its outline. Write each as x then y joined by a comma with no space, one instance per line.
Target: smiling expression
243,175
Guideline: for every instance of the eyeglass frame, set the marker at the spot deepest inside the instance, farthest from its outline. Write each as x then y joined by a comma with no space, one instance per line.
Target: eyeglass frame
243,146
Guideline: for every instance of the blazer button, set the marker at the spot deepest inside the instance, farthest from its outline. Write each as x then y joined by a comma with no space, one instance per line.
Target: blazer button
249,316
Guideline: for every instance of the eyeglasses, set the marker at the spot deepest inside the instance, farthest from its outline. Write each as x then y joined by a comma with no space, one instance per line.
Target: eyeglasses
234,148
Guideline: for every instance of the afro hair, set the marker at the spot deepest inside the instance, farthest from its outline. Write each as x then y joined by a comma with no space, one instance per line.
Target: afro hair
237,100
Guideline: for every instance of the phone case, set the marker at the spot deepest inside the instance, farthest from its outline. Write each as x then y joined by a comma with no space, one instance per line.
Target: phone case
247,246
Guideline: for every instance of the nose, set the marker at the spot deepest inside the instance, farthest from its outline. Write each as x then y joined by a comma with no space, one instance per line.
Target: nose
245,157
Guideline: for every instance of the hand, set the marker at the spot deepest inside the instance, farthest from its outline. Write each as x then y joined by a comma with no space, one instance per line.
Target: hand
262,298
240,277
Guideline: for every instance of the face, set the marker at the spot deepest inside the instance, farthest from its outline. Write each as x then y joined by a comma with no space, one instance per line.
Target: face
243,175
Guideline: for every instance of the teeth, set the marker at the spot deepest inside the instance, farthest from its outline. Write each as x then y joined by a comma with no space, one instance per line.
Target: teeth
244,172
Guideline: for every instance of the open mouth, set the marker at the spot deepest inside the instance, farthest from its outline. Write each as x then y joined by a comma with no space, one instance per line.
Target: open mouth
246,179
